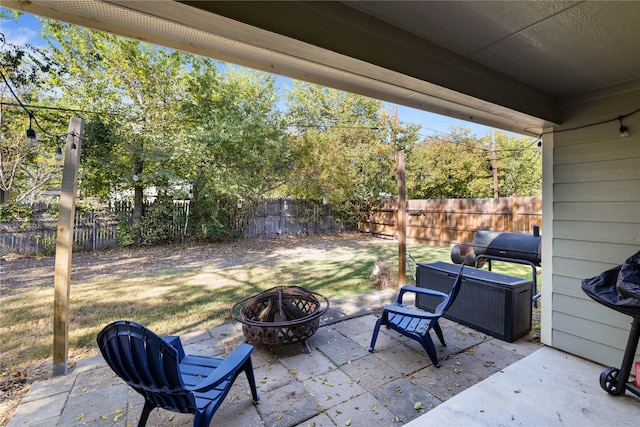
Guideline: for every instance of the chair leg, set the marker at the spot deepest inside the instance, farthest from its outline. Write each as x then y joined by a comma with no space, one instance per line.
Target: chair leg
428,346
438,331
248,369
203,418
374,337
146,410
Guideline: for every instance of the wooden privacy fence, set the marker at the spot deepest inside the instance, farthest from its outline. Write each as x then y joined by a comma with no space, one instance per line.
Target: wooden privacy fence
448,222
274,217
433,222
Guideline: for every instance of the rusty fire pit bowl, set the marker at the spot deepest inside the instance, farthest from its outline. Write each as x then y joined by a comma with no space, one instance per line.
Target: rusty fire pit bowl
280,315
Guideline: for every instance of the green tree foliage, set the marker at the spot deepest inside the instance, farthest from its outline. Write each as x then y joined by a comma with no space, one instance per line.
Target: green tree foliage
237,146
519,161
130,95
461,166
236,131
344,147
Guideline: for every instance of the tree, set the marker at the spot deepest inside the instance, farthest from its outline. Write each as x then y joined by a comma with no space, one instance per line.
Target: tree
519,165
26,165
237,137
460,165
344,146
132,94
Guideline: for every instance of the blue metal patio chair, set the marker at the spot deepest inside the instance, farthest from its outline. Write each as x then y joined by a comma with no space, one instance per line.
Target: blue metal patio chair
158,369
415,323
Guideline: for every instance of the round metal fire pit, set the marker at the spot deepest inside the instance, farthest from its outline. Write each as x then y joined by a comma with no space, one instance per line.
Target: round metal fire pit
280,315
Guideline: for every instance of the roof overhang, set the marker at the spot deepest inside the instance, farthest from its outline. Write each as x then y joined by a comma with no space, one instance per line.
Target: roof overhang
336,44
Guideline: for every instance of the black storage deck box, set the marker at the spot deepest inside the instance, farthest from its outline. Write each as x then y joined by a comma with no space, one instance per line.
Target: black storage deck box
493,303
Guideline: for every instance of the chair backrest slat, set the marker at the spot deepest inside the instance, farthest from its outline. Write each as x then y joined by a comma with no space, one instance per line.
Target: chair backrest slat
145,361
455,290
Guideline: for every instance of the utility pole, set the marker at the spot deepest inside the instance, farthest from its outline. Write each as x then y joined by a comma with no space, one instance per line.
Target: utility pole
494,166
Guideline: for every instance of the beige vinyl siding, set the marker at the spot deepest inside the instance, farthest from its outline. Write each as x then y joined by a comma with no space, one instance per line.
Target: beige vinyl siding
596,218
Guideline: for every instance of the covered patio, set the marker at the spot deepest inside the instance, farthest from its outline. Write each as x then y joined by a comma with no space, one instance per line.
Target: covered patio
566,72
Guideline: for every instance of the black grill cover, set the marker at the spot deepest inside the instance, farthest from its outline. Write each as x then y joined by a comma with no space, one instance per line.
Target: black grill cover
617,288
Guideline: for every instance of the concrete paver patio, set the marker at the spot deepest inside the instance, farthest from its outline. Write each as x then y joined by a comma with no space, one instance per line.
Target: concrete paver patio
339,383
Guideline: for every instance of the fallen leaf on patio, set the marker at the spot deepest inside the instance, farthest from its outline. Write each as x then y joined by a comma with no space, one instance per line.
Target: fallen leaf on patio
80,417
104,417
431,383
171,417
348,422
279,417
117,418
417,406
398,388
517,391
373,407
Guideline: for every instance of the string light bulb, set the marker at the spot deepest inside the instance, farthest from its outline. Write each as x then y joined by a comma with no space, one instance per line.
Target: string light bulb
31,134
58,153
624,132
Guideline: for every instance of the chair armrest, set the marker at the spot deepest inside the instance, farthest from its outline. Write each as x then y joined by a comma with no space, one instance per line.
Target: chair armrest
417,290
405,311
228,368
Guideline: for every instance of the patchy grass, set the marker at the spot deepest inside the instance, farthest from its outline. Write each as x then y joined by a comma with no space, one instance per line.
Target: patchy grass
179,290
177,299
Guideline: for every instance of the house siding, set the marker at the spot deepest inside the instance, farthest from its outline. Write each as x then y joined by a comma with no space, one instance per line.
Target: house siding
594,206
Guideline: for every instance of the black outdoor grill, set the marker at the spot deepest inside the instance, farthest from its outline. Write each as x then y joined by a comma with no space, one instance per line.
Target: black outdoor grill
518,248
619,289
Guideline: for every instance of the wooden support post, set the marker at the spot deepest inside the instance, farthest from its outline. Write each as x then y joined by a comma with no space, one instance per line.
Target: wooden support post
64,246
402,226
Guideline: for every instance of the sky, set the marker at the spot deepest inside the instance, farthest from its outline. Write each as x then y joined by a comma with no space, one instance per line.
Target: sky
27,30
